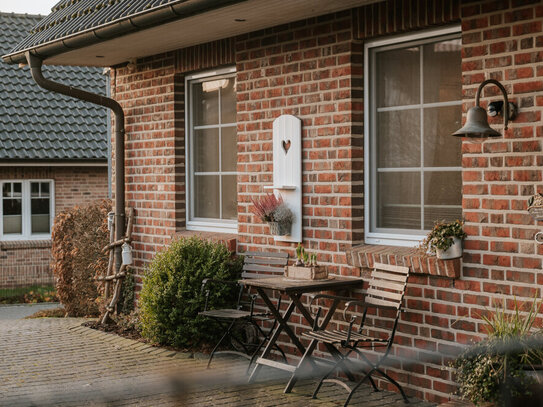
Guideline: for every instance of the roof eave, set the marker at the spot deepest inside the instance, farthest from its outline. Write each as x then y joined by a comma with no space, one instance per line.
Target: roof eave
118,28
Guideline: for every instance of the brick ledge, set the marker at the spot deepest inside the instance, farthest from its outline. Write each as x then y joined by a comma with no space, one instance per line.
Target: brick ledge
364,256
230,240
24,244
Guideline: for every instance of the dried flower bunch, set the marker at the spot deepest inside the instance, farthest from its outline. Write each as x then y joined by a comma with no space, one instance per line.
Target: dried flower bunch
264,207
270,208
283,214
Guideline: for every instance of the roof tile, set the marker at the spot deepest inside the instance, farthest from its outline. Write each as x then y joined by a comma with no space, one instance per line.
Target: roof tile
37,124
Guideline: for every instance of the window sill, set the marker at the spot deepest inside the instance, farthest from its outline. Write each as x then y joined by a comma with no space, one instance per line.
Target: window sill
364,256
25,244
230,240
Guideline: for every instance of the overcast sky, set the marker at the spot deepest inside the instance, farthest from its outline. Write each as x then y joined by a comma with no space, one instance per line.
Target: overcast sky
27,6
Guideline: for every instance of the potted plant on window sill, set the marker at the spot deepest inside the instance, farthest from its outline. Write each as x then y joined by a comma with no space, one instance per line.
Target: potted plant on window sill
505,368
445,240
275,212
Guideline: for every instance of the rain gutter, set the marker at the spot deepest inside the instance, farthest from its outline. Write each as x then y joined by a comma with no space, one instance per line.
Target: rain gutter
35,64
118,28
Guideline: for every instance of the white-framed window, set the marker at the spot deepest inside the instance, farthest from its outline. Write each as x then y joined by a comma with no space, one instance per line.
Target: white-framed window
413,173
211,146
27,209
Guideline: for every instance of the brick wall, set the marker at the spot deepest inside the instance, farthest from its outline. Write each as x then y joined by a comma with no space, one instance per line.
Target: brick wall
154,160
501,40
314,69
28,262
152,96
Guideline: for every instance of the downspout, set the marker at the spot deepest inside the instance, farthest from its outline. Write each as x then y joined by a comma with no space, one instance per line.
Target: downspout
35,64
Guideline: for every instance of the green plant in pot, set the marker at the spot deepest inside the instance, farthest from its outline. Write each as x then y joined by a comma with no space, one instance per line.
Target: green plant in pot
445,240
504,368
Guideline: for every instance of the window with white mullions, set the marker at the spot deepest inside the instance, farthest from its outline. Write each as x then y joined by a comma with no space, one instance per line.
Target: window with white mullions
413,165
12,208
40,207
212,151
27,209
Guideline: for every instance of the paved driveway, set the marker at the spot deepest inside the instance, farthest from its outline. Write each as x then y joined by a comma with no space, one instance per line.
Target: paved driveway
55,361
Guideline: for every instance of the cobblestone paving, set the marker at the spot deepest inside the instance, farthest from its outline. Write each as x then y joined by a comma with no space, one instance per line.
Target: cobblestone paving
56,362
19,311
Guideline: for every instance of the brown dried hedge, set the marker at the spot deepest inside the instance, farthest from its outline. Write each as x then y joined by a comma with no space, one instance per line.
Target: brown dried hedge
79,235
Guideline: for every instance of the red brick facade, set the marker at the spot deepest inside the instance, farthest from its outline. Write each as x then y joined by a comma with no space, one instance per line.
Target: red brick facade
24,263
313,69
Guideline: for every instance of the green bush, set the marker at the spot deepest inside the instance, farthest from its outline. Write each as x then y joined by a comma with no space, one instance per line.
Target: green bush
126,299
171,296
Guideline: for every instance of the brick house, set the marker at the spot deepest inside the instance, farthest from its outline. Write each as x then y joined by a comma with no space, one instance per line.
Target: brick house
49,161
379,86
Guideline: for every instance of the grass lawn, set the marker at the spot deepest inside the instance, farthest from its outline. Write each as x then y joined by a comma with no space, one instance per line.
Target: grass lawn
31,294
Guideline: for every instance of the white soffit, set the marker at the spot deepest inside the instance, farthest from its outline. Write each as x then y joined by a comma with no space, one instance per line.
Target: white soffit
202,28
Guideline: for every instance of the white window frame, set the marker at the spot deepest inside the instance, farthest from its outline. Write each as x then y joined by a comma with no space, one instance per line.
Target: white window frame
26,211
192,223
389,236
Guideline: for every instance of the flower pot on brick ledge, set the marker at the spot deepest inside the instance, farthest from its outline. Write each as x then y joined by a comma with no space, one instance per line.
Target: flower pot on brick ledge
364,256
445,240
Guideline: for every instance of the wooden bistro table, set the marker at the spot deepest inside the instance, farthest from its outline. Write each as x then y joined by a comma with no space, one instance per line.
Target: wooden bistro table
294,289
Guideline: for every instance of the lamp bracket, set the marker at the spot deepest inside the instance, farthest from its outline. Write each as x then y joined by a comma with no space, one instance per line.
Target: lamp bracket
496,108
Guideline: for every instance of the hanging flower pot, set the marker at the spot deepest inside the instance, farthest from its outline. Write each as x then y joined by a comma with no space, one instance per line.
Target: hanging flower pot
275,212
284,228
453,252
445,240
274,228
280,228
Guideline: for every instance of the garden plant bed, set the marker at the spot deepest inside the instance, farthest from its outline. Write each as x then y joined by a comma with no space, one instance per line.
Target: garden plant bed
28,295
130,333
59,312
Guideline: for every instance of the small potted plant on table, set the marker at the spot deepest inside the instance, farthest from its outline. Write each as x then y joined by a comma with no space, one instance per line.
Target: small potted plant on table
445,240
306,267
275,212
505,369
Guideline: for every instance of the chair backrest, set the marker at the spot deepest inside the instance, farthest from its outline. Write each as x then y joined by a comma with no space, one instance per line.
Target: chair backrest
387,285
263,264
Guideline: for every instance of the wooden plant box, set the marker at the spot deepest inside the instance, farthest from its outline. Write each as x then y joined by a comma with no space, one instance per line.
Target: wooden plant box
306,273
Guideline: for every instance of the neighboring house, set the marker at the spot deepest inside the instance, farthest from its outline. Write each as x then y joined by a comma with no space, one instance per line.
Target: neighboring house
379,87
53,155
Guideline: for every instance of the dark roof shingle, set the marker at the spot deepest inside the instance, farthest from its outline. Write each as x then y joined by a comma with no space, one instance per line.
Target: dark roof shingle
69,17
36,124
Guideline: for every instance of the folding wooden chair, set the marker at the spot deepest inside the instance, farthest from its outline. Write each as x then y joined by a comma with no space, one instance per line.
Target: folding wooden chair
385,292
255,265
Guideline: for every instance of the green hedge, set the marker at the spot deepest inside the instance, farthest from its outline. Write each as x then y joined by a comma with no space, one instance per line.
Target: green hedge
171,296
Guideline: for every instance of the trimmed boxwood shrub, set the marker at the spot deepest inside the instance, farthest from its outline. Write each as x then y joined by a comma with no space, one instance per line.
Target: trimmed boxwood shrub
171,296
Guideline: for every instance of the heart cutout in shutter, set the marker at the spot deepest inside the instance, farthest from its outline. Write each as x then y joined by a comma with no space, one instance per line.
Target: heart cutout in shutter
286,145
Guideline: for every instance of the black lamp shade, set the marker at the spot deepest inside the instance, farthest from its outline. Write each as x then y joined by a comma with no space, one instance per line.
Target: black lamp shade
476,125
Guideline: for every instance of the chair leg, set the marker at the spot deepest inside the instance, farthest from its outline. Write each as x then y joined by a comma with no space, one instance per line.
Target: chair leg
356,386
375,389
395,383
321,381
336,366
267,337
226,334
294,378
255,354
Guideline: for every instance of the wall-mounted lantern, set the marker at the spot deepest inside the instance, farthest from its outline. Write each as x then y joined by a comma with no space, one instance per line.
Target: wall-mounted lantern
477,124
